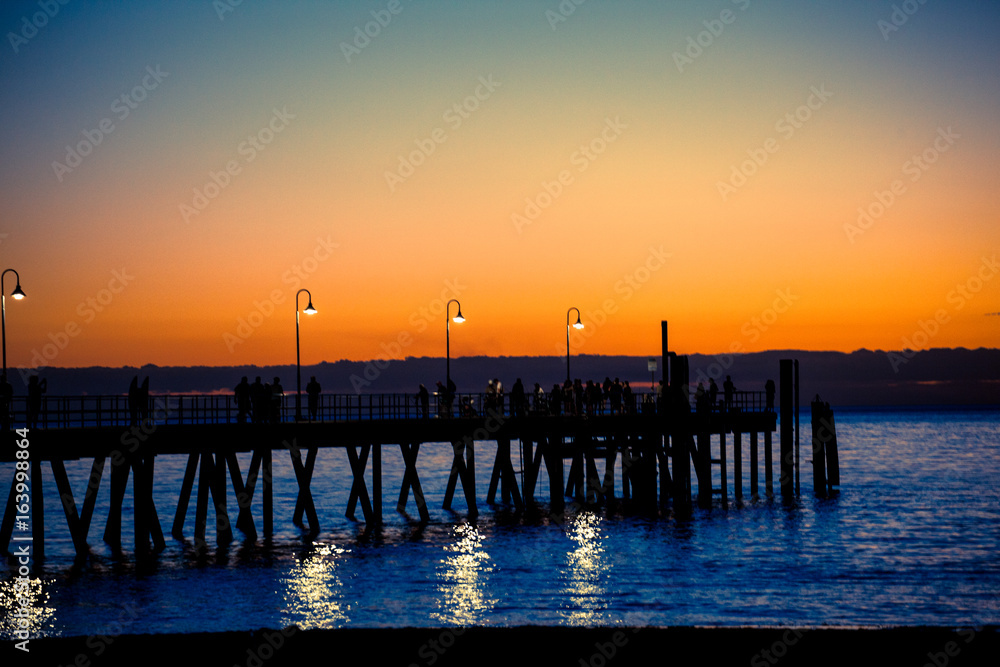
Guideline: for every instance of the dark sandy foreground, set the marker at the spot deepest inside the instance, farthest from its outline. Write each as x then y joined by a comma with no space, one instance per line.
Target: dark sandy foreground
552,647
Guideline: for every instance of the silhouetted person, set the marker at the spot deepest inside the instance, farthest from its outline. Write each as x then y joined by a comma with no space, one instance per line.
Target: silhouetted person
277,394
556,402
615,394
700,398
35,391
769,389
578,396
517,399
6,403
144,401
424,401
540,404
491,396
451,391
133,401
728,389
499,387
312,390
241,394
713,393
259,401
628,398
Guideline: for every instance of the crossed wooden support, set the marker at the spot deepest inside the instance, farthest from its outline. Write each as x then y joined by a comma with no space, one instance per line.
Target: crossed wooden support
212,481
147,523
463,467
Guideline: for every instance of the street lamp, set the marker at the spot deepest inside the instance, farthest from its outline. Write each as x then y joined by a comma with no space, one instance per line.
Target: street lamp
578,325
18,295
447,338
298,364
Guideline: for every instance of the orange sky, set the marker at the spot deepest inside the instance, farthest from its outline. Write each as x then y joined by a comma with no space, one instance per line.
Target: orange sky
629,158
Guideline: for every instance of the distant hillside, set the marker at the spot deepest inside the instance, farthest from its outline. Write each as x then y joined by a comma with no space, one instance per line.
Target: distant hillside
864,377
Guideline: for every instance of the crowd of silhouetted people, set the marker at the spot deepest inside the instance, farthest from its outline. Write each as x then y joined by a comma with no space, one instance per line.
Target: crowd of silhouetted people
579,398
33,404
261,403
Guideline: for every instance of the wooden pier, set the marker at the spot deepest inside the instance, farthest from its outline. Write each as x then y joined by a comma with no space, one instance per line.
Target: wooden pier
659,440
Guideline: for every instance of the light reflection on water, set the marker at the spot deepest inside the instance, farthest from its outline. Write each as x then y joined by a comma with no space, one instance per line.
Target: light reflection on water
314,595
463,579
586,577
35,617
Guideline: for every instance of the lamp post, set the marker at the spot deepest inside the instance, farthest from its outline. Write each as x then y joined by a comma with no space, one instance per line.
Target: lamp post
18,295
447,338
298,364
578,325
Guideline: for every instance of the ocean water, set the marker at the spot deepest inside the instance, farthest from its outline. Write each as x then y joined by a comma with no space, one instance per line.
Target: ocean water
912,537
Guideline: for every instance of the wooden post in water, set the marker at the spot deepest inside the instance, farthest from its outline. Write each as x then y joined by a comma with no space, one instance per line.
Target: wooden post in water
38,509
787,417
267,500
704,470
738,465
554,466
819,437
377,482
753,464
677,421
723,472
768,466
185,498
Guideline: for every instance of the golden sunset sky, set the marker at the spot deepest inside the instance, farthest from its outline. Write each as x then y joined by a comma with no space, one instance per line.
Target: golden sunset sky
764,175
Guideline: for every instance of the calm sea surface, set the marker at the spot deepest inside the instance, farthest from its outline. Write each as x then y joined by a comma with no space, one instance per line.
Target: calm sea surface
912,538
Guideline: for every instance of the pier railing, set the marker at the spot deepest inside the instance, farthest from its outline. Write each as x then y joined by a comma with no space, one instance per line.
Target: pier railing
116,410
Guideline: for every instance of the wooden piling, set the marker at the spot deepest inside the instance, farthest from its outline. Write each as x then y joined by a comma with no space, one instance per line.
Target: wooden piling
267,499
119,480
737,466
787,416
818,450
377,483
768,465
753,464
723,472
69,506
37,510
185,498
